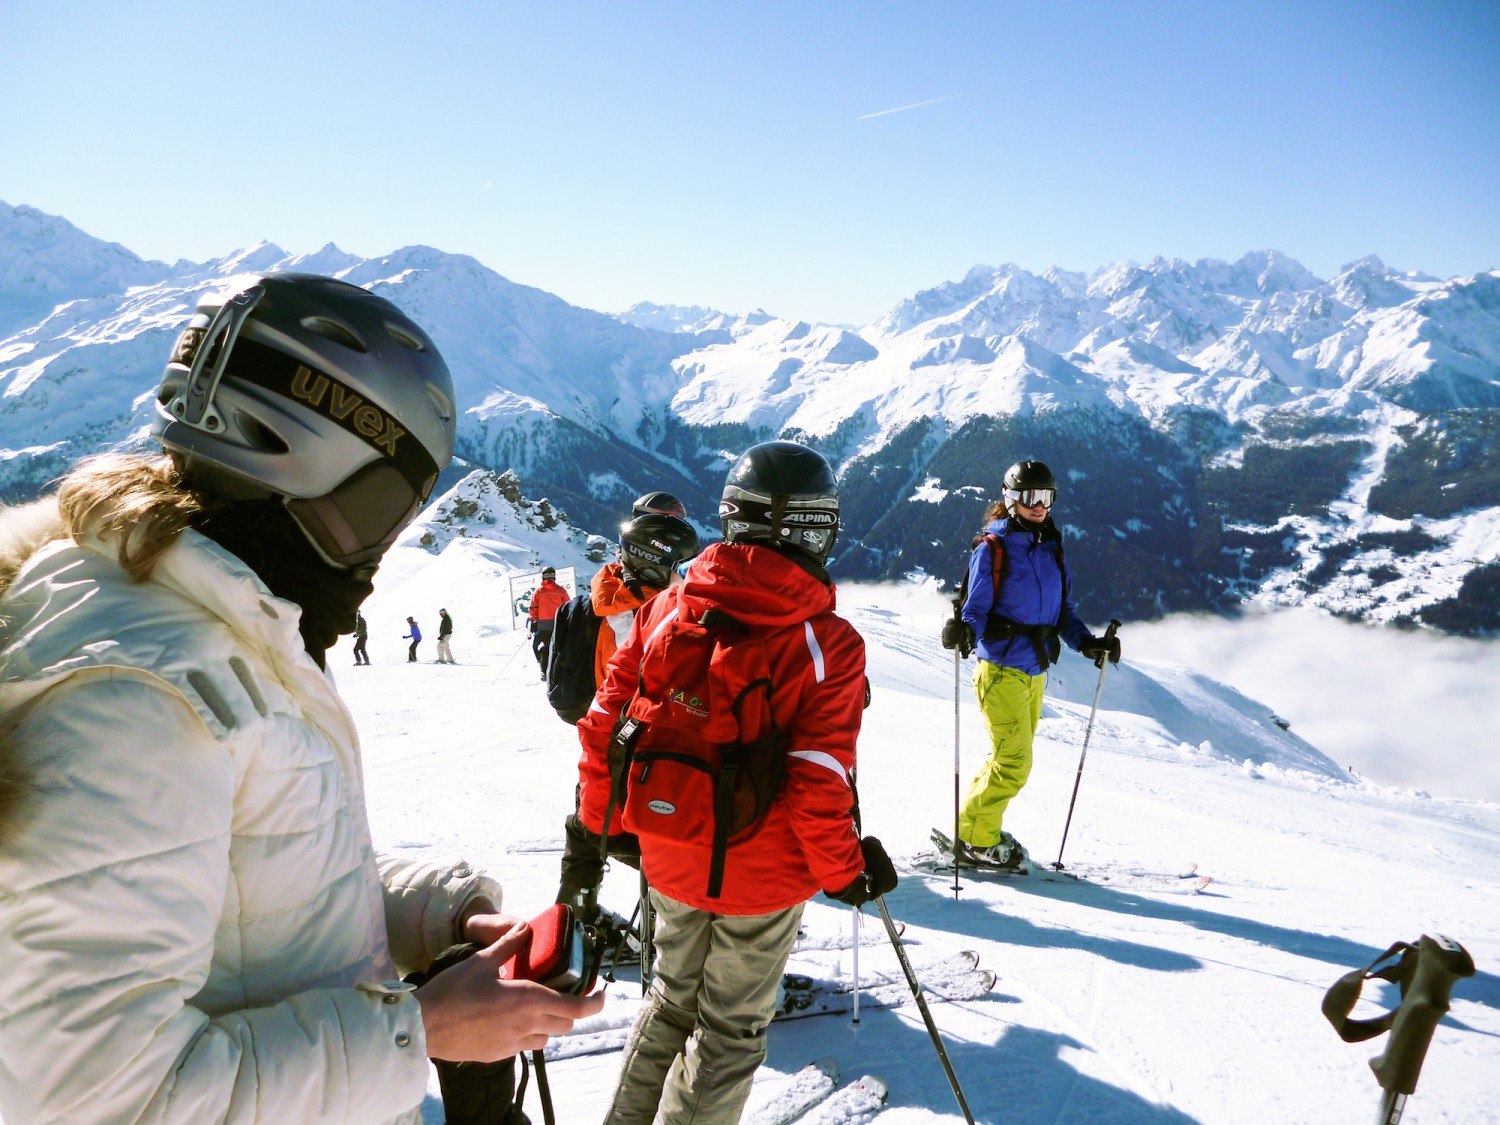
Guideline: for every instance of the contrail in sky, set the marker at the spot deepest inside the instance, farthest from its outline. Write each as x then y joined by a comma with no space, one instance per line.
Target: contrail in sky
904,108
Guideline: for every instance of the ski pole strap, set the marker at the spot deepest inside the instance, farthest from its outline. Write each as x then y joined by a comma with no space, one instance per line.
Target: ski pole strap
621,754
729,772
1425,973
1339,1001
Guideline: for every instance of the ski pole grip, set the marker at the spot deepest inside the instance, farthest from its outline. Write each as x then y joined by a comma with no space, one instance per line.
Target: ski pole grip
1440,962
1108,634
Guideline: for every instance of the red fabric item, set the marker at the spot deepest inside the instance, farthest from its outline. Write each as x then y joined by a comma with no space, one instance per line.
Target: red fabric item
548,599
545,953
817,669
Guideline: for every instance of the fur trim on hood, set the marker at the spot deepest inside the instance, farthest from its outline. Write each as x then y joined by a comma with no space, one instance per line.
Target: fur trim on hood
23,531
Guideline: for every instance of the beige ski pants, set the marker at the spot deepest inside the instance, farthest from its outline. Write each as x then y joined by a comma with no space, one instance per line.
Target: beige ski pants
701,1034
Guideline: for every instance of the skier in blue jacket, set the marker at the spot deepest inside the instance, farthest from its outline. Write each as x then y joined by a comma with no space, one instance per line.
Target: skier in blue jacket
1017,612
415,637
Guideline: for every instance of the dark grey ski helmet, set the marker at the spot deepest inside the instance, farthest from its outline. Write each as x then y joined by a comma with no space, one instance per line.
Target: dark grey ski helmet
782,493
315,391
659,503
653,545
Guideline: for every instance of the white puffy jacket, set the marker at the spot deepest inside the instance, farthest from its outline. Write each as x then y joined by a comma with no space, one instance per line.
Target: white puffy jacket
193,923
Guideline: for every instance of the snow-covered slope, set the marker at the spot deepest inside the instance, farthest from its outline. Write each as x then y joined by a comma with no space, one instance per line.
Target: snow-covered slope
1121,1005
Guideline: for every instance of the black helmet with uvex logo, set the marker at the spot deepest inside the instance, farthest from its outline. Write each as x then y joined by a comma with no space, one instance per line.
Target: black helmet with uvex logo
782,493
653,545
315,391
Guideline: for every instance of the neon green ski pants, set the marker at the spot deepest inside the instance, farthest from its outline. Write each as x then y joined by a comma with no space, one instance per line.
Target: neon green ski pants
1011,703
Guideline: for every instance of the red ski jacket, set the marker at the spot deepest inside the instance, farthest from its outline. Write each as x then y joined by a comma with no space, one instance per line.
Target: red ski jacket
548,599
807,842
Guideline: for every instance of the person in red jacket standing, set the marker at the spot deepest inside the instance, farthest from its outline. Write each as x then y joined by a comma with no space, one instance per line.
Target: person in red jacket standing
701,1035
548,599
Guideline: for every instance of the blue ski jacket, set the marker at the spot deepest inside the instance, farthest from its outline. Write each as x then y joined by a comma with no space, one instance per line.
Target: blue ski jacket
1031,593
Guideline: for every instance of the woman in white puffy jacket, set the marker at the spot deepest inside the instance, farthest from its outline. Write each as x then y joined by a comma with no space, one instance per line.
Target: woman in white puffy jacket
194,924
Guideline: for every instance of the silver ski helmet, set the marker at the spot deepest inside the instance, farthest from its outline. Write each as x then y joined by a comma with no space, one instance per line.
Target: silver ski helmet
660,503
315,391
785,494
654,545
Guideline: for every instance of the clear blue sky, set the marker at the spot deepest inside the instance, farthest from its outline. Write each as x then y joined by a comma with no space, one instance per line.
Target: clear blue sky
743,154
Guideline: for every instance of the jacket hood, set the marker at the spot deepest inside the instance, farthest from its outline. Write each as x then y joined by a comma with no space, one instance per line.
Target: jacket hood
758,585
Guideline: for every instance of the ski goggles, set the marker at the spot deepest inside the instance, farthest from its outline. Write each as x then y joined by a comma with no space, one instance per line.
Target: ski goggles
1030,497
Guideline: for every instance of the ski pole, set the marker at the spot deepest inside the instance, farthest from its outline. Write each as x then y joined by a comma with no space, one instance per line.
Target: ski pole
1103,663
648,935
855,923
916,991
1425,973
957,679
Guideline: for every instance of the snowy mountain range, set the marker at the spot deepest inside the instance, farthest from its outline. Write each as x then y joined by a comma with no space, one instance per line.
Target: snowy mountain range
1225,432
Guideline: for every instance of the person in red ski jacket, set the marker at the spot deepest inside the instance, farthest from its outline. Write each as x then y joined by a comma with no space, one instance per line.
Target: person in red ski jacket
545,602
719,959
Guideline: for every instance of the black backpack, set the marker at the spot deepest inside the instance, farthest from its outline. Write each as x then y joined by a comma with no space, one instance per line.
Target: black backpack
570,659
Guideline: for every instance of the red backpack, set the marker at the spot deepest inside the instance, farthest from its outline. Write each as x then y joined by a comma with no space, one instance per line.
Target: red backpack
697,758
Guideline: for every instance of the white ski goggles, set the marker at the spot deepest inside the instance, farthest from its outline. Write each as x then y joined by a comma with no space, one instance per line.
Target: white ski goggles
1030,497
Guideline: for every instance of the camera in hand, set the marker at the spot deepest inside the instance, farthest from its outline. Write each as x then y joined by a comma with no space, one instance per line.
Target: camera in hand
562,953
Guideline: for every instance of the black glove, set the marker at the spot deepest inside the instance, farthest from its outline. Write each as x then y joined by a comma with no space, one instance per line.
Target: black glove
959,634
878,877
1098,649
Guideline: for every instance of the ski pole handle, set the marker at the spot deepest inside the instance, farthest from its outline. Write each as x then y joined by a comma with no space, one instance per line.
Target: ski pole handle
1108,635
1440,962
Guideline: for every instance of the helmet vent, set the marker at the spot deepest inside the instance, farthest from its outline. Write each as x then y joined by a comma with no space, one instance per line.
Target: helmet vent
333,330
260,436
405,339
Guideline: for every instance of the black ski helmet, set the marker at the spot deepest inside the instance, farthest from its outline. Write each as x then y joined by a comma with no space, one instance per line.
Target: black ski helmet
785,494
1029,474
653,545
316,392
1029,479
659,503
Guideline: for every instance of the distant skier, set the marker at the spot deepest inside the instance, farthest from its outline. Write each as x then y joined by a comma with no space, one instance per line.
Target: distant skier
415,636
445,630
361,637
548,599
1017,611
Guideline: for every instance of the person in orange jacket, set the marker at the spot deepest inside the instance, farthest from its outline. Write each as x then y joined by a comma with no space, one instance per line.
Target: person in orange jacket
652,545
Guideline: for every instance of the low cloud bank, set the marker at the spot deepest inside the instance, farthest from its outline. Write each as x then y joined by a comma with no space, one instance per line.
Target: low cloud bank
1410,709
1403,708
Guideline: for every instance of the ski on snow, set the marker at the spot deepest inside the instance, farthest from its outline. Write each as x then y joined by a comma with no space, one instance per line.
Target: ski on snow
954,978
1185,882
813,1096
792,1095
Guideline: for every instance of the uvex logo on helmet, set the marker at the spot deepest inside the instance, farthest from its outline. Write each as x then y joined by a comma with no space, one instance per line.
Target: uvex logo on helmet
343,405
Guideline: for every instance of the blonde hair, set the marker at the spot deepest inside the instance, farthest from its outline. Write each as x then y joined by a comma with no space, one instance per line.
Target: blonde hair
139,503
996,511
